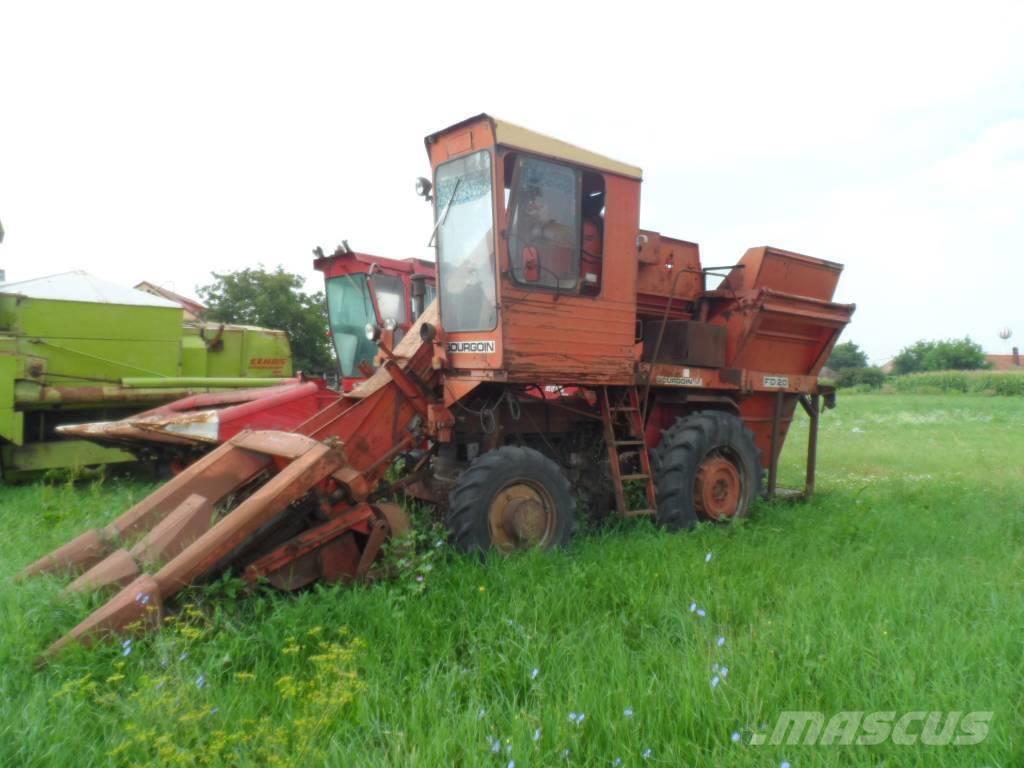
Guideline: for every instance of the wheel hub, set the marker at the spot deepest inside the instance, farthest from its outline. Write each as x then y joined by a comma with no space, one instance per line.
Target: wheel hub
717,488
521,516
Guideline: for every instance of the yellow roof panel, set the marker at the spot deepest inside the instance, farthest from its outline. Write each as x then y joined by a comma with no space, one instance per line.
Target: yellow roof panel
512,135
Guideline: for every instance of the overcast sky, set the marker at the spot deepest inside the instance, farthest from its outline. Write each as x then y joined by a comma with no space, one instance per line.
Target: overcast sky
162,141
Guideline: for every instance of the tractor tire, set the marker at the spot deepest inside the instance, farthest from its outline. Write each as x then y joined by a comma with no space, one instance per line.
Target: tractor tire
508,499
706,467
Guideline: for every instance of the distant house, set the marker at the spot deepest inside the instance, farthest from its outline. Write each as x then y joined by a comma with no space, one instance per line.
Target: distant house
888,367
1009,362
193,309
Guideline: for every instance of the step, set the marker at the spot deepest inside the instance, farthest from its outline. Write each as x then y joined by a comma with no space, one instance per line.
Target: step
639,513
629,442
624,408
641,476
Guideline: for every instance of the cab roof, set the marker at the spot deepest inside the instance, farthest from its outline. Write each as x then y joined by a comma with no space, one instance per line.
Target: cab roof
511,135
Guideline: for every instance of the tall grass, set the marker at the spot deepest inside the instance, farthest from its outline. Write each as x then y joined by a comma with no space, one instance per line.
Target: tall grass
896,588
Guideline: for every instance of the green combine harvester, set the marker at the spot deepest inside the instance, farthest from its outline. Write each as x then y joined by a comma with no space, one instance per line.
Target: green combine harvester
74,349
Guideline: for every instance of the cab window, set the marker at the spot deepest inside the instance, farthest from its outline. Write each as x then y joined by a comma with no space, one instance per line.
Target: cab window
349,310
592,234
544,225
390,295
556,225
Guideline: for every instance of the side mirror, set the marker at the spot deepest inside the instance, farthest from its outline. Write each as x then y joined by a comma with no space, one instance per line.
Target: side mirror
531,264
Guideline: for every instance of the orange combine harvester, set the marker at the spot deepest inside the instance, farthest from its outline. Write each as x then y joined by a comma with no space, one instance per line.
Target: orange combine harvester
568,351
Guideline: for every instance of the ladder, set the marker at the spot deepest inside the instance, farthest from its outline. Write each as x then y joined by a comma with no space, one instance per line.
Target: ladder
622,435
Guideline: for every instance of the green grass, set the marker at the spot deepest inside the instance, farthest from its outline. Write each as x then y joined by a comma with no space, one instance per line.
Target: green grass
896,588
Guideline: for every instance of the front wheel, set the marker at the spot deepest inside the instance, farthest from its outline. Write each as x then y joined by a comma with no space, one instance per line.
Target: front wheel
508,499
708,467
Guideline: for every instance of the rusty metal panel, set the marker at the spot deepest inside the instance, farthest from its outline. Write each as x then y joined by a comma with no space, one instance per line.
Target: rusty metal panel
555,337
780,333
780,270
139,604
213,476
339,560
117,569
685,342
668,267
289,445
571,338
180,528
758,413
310,555
231,532
478,133
79,554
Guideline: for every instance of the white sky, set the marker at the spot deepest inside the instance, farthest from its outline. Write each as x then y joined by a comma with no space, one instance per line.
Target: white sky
161,141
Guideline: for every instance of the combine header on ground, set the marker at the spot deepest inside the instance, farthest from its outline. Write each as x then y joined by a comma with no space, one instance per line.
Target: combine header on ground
569,350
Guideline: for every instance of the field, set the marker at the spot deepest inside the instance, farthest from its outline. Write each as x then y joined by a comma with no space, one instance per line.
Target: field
897,588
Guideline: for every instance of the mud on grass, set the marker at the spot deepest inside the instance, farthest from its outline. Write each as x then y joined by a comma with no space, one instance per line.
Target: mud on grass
897,588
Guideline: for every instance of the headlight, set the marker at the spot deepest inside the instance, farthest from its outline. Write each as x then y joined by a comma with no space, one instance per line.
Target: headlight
423,187
390,324
372,332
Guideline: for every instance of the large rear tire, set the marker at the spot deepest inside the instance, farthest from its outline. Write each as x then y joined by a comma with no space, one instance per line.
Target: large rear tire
707,467
508,499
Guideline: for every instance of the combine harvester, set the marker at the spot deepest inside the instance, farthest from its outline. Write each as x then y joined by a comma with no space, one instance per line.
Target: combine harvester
73,348
546,282
362,290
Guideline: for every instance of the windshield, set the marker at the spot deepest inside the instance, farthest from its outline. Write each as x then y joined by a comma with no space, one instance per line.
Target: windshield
465,244
349,309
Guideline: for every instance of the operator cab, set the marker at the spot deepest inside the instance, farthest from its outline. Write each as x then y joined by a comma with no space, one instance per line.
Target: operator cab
370,291
536,255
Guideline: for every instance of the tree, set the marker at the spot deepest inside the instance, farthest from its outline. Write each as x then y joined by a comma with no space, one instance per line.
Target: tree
867,376
847,355
947,355
911,359
274,300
